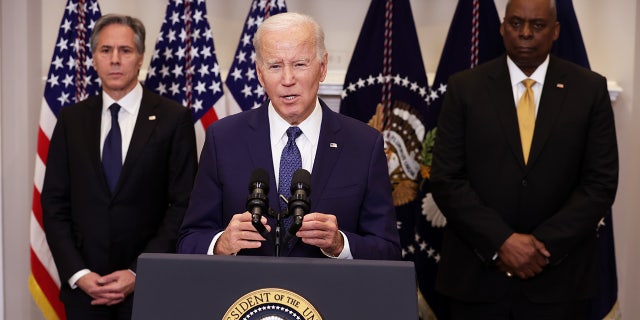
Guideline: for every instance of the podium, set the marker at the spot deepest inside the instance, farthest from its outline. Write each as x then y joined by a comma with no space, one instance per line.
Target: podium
180,286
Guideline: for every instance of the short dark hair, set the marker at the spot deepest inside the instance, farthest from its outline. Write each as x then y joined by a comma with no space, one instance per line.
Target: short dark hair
134,23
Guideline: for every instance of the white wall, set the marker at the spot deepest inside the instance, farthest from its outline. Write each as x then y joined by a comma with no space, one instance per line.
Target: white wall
609,29
20,53
1,253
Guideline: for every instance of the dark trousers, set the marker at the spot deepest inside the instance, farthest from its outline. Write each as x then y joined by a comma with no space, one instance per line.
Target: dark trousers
84,311
516,306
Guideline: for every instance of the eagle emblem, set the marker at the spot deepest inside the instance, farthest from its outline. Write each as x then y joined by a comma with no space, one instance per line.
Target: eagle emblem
403,131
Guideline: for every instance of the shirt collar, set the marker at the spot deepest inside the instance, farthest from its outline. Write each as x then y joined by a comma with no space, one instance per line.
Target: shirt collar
310,126
517,75
130,102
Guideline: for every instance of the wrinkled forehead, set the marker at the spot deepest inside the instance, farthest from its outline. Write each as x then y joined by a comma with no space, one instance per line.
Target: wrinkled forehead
288,46
530,10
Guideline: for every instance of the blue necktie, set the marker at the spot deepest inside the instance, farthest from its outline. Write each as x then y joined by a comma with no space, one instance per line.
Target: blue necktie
290,161
112,150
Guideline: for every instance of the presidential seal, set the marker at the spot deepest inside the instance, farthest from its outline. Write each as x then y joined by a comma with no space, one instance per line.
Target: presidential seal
271,304
403,131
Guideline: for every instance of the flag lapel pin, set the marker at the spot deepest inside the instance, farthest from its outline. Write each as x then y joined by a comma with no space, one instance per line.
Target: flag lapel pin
560,85
333,145
153,117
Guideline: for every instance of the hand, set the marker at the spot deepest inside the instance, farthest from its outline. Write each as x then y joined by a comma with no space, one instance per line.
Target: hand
89,284
321,230
522,255
110,289
240,234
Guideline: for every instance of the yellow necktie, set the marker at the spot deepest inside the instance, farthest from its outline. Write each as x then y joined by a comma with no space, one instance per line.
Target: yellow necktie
526,117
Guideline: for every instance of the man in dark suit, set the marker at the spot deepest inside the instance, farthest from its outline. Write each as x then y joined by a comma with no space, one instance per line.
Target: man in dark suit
523,201
351,213
100,214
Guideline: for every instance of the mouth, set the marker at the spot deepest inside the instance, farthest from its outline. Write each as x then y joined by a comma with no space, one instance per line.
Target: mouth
289,97
525,49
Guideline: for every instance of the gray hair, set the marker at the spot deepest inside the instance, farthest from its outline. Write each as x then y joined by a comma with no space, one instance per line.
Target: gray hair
134,23
286,21
552,7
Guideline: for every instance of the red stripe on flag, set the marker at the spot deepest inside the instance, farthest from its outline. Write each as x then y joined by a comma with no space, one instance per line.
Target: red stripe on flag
36,207
43,145
208,118
48,286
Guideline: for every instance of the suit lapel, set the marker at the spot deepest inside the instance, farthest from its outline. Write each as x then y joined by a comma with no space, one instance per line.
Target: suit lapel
551,103
145,124
93,122
257,140
500,91
329,145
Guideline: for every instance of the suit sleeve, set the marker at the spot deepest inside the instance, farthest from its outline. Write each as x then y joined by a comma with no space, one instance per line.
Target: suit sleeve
595,192
180,176
480,226
56,208
203,219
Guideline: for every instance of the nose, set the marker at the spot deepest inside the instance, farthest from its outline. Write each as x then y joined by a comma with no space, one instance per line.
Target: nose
115,56
288,76
526,31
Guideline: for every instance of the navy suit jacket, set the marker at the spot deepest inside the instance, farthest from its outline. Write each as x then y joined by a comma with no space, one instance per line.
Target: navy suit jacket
88,227
349,179
480,181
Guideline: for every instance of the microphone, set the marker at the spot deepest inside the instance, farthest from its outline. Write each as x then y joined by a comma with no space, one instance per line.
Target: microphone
299,203
257,202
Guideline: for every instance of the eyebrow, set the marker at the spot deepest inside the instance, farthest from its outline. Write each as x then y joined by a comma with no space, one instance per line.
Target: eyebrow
118,46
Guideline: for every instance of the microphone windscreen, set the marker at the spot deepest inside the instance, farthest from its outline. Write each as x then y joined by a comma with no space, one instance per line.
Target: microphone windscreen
259,175
301,176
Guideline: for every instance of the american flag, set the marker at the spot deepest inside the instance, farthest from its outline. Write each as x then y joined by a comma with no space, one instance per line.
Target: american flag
71,78
242,80
184,66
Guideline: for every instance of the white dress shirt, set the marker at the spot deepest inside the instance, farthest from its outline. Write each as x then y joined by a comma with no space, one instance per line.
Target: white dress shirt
518,87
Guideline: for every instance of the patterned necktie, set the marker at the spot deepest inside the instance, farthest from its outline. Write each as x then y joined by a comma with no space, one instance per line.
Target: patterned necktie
290,161
526,117
112,150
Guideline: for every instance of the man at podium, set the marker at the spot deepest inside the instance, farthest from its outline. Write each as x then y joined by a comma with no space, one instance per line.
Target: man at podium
348,210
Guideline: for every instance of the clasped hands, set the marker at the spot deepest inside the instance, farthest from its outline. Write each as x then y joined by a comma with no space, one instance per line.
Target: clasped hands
522,255
109,289
318,229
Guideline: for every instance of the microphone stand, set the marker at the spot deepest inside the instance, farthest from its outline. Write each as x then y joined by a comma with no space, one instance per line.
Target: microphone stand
277,240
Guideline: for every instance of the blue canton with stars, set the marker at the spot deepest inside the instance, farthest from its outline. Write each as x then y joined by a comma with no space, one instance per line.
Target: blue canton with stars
65,81
184,66
242,80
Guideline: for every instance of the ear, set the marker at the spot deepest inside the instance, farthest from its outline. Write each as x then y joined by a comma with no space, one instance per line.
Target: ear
556,30
259,73
502,29
323,66
140,60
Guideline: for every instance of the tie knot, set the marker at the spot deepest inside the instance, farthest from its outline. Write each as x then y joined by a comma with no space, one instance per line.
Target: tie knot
293,133
528,83
114,108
